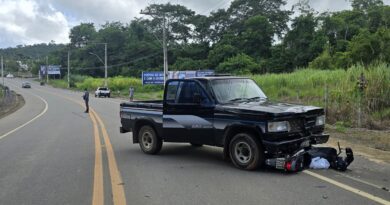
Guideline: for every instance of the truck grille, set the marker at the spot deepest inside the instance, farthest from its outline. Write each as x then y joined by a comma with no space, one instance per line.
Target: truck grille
303,124
310,123
296,125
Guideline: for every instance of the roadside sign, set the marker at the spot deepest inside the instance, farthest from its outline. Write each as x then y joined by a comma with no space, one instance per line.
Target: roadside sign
152,78
157,77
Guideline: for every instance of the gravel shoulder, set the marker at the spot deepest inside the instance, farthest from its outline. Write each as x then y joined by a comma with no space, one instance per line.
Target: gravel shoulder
371,144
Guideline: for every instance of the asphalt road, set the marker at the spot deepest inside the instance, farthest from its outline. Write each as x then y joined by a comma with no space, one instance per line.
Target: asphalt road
53,153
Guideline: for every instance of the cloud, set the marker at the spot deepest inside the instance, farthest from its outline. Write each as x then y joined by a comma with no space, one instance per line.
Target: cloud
27,22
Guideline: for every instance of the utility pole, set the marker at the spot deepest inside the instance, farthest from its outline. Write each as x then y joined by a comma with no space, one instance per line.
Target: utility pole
105,64
47,69
165,47
68,68
165,50
2,70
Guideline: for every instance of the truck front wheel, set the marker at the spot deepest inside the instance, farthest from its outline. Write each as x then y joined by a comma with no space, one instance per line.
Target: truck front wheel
148,140
246,151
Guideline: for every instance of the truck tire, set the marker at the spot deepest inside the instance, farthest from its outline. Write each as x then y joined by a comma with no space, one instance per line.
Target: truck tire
148,140
246,152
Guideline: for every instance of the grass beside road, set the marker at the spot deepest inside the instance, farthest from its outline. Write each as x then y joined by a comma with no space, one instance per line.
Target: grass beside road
339,87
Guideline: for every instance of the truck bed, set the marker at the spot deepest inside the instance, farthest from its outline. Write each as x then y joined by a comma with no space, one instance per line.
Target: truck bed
151,104
132,112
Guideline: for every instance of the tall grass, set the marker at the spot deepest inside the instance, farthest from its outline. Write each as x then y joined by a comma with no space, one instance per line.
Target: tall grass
310,86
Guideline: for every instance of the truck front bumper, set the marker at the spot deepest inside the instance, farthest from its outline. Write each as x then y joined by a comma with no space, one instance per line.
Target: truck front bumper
281,148
122,130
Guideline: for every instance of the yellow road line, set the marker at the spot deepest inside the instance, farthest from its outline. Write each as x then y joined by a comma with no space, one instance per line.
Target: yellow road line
30,121
348,188
118,191
98,190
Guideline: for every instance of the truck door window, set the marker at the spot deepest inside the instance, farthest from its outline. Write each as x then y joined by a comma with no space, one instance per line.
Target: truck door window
171,91
188,90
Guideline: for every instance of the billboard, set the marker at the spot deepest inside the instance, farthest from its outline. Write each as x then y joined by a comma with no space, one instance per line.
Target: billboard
153,78
51,70
157,77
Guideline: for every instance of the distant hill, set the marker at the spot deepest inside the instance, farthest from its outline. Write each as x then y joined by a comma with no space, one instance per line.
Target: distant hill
37,51
32,56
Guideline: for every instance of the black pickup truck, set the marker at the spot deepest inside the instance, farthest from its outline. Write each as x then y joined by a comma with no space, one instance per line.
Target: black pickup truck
228,112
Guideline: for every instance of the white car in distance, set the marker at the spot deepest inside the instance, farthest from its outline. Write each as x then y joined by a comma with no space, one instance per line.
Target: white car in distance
102,91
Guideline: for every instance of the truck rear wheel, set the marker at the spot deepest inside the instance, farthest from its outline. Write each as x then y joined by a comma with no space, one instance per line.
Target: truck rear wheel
246,151
148,140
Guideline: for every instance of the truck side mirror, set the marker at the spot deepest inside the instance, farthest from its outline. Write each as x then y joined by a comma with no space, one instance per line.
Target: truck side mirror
197,98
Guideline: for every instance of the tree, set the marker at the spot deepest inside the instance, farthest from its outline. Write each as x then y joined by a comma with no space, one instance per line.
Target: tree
241,10
257,37
177,19
220,53
364,48
80,35
364,5
239,65
303,42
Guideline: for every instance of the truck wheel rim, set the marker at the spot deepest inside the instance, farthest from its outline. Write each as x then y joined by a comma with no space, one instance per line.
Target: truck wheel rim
243,152
147,140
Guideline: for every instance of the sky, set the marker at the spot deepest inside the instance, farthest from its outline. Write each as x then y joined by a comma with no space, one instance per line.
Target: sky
26,22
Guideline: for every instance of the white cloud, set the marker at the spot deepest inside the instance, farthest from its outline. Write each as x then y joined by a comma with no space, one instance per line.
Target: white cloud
27,22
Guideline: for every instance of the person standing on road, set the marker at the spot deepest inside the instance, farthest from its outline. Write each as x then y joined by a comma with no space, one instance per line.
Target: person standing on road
131,94
86,100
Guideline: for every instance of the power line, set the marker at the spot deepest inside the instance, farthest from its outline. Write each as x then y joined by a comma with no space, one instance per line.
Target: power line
217,5
120,64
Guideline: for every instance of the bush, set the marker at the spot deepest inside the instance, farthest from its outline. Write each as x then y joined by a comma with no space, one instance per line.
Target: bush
239,65
323,62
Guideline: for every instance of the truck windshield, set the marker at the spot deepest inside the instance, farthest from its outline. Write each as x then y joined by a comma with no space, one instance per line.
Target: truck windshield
232,90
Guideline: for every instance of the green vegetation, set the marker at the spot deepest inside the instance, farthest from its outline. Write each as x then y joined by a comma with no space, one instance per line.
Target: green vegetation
119,86
1,92
309,86
239,39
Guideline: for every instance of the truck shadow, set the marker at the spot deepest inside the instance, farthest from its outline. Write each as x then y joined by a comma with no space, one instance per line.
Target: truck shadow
204,156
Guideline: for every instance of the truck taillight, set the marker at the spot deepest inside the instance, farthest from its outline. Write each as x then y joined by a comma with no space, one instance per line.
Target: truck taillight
287,166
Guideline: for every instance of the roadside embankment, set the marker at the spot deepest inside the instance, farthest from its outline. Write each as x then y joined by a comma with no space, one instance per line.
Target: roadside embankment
10,101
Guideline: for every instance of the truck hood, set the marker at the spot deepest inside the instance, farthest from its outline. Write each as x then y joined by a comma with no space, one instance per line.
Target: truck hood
269,107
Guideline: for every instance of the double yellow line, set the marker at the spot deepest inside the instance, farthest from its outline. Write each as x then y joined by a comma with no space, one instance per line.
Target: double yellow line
118,193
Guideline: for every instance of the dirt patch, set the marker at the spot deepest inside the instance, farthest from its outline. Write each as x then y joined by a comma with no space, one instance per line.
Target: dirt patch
16,102
371,144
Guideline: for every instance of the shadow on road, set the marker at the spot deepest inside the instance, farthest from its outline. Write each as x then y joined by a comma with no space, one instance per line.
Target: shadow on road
205,156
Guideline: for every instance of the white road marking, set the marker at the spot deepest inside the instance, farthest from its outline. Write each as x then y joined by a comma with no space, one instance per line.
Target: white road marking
30,121
362,181
348,188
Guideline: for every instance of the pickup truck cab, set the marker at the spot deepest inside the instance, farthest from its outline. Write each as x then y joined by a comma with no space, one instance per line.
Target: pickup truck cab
228,112
102,91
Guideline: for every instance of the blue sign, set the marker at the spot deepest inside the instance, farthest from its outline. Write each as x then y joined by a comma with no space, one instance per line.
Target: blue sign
153,78
203,73
157,77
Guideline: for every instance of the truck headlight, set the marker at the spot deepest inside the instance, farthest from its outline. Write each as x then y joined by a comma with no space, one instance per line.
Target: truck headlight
320,120
282,126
